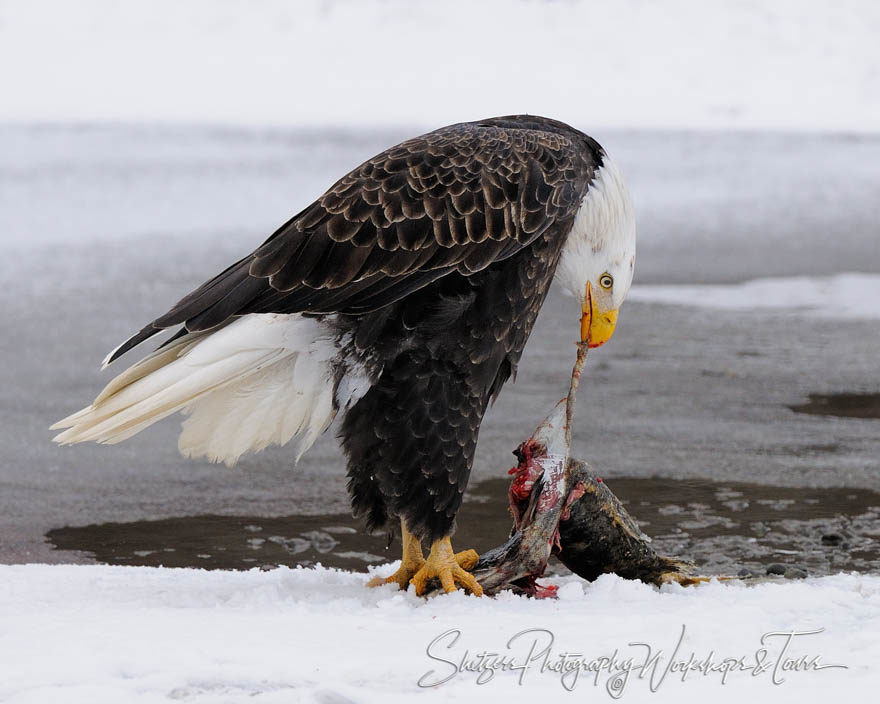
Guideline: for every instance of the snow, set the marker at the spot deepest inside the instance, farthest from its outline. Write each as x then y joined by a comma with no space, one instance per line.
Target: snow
791,64
136,634
843,296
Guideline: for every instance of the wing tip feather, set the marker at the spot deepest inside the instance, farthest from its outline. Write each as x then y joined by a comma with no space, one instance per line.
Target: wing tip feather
132,342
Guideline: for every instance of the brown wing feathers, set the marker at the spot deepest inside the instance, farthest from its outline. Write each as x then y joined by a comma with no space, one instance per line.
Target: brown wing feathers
456,199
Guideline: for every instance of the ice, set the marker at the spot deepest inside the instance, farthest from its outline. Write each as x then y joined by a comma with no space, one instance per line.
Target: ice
106,226
851,296
135,634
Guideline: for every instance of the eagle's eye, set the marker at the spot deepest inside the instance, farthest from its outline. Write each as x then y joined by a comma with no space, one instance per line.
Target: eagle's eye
606,281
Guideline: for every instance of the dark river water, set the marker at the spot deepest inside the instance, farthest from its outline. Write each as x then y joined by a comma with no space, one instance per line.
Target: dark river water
723,528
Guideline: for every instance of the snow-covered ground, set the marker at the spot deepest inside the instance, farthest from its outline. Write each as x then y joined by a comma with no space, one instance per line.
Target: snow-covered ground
789,64
100,634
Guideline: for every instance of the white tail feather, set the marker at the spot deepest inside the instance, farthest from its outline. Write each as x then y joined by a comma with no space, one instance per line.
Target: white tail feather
261,380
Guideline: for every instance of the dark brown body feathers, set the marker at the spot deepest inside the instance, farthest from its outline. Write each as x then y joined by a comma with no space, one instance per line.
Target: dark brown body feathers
436,256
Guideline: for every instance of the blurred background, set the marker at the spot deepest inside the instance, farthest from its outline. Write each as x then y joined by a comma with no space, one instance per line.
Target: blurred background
145,146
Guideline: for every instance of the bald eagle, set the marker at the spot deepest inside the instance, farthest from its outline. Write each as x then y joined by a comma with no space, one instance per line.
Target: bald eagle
400,301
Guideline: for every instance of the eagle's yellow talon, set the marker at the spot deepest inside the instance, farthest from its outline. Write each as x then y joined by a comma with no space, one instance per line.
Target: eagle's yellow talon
401,577
450,568
467,559
410,563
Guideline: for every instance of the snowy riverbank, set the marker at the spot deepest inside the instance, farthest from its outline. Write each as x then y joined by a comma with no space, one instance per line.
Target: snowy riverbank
678,64
109,634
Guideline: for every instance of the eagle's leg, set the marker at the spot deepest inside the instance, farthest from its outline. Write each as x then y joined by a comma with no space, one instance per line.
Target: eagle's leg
410,563
449,568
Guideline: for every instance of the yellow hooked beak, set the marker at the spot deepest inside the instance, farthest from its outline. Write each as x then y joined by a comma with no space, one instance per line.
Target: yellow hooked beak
596,328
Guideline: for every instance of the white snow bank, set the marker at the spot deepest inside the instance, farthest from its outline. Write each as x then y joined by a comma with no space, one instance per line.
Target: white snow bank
789,64
852,296
136,634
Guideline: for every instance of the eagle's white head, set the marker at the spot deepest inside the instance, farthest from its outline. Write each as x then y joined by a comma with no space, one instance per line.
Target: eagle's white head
599,255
